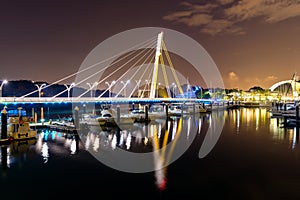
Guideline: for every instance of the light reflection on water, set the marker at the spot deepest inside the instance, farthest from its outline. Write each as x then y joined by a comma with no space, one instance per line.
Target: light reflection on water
140,138
260,120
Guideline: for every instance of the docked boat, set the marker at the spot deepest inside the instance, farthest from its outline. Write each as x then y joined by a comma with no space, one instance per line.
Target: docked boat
105,118
157,112
186,109
19,128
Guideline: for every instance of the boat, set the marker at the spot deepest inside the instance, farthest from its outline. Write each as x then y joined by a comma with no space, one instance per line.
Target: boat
186,109
157,112
105,118
175,110
19,128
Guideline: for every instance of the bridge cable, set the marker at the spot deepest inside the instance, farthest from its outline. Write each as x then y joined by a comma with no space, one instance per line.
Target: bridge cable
172,67
135,73
91,66
120,78
119,69
109,74
142,73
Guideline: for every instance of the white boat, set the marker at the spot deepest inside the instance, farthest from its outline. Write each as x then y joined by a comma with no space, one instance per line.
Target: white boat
188,109
105,118
157,112
19,128
175,110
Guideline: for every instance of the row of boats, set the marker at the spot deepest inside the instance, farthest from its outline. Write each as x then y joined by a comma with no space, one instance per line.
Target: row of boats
19,126
109,116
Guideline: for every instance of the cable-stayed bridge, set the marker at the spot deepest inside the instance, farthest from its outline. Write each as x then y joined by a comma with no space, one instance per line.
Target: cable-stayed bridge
143,75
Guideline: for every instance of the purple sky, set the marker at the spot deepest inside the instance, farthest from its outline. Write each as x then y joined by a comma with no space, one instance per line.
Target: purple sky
252,42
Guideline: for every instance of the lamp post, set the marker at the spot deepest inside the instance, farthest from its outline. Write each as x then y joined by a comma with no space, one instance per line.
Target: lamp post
69,88
2,84
124,86
109,87
40,87
92,86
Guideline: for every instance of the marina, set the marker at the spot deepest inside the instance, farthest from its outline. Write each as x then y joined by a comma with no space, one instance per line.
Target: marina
96,104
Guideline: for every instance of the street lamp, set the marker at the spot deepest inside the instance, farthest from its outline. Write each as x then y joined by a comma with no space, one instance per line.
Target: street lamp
124,86
40,87
92,86
109,87
2,84
69,88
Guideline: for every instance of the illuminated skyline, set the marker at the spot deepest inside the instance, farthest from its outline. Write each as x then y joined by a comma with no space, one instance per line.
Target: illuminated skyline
252,42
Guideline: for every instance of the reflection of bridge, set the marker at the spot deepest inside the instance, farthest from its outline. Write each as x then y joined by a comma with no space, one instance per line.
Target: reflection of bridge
129,77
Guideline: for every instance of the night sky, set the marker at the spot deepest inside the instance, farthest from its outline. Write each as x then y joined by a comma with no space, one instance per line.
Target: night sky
252,42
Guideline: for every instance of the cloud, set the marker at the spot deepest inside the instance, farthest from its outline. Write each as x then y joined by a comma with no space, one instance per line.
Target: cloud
270,78
225,2
226,16
217,26
196,20
233,76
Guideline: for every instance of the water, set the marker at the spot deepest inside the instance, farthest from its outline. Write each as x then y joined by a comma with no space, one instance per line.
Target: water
254,158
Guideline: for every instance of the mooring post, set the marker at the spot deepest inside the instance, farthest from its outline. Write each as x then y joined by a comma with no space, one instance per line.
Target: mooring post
42,115
284,107
167,110
181,109
32,112
35,117
76,116
194,108
118,114
4,124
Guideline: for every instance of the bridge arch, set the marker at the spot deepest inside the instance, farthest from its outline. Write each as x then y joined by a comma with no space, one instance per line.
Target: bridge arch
276,85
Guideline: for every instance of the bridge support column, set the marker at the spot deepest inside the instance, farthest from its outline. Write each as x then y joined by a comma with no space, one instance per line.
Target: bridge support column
118,114
146,114
167,110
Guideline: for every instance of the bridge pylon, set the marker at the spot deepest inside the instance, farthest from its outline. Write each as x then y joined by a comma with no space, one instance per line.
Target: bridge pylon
156,62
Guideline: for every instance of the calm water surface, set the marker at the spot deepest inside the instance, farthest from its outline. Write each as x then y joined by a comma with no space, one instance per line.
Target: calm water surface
254,158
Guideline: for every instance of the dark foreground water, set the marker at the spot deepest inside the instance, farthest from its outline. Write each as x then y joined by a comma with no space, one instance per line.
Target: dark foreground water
254,158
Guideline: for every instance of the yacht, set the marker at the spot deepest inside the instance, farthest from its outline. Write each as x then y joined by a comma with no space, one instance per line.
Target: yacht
19,128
